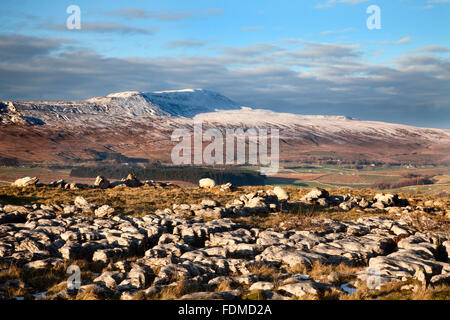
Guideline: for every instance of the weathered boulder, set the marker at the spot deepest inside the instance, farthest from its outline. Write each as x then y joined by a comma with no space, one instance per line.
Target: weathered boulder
77,186
385,199
104,211
84,205
405,263
183,206
303,288
210,213
317,193
230,238
399,230
440,279
25,182
363,203
257,205
69,209
388,200
106,255
353,250
279,254
10,208
109,279
378,205
281,194
226,187
99,290
244,250
206,183
131,181
57,184
262,285
81,202
136,279
101,182
209,203
446,247
43,264
314,195
71,251
346,206
324,202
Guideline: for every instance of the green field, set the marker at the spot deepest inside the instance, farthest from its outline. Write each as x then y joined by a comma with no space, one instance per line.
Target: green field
298,175
332,176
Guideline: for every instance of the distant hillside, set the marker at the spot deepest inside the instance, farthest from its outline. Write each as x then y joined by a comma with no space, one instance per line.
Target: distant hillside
134,126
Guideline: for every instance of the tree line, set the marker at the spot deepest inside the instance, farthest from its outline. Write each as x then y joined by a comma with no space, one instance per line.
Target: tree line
238,177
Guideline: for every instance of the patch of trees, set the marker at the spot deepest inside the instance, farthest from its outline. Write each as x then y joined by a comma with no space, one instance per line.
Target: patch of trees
9,162
237,177
411,181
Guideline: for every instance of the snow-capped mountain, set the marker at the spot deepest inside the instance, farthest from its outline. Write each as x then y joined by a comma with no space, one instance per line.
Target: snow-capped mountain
179,103
140,124
190,102
128,103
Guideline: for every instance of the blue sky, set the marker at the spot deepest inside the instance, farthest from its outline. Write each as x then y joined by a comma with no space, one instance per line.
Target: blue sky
297,56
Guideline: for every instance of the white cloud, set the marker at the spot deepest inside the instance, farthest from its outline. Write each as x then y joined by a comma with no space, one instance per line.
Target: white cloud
138,13
101,27
401,41
252,50
319,78
331,3
432,49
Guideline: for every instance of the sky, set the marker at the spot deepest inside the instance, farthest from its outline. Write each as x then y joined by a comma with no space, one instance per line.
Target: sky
302,56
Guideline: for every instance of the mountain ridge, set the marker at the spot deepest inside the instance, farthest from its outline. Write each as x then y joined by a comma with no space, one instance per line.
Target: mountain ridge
140,124
177,103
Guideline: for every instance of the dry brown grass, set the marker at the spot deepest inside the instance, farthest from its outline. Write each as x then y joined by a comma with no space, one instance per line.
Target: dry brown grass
320,271
437,293
254,295
55,289
295,221
178,290
225,285
265,270
9,272
146,199
426,222
393,291
88,294
36,281
137,201
51,280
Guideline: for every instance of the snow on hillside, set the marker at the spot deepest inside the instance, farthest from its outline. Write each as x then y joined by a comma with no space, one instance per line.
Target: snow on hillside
178,103
332,127
181,103
249,115
129,103
190,102
178,106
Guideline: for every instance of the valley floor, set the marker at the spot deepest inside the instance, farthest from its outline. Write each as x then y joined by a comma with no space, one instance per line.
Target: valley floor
333,176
